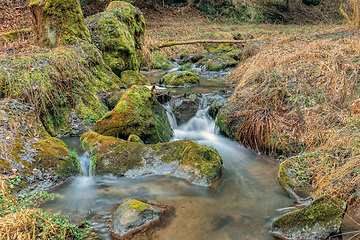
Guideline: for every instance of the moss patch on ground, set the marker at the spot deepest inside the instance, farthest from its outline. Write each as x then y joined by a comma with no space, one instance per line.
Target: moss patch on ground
138,112
59,84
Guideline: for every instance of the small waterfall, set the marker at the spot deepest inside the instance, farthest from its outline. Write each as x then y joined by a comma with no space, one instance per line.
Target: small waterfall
84,162
170,116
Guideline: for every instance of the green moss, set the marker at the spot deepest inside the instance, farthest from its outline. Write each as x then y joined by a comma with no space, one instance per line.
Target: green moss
284,179
114,99
119,34
59,22
326,212
184,79
116,156
14,35
134,138
219,63
53,154
185,67
137,205
161,62
137,112
131,78
59,81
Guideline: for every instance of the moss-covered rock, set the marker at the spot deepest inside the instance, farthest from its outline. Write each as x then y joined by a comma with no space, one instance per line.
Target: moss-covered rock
53,155
215,107
160,61
119,34
185,159
219,63
58,22
132,215
134,138
138,112
131,77
185,79
114,99
185,66
315,221
62,85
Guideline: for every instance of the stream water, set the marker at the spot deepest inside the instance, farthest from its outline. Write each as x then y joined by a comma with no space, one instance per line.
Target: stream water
240,205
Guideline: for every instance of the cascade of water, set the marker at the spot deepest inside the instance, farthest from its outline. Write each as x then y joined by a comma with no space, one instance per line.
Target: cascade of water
170,116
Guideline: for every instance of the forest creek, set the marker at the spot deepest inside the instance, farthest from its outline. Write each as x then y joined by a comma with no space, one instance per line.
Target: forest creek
179,119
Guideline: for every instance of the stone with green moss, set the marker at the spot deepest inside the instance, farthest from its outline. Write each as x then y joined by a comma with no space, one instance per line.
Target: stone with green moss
138,112
186,79
52,155
220,63
318,220
131,77
132,214
58,22
184,159
119,34
185,66
160,61
114,99
62,85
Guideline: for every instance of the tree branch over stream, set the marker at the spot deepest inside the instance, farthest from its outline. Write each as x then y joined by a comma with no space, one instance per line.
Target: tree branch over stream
174,43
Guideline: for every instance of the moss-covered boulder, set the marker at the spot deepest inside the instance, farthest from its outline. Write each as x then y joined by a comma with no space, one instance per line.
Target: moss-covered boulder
131,77
119,33
318,220
58,22
184,159
114,99
185,66
219,63
215,107
186,79
62,86
160,61
138,112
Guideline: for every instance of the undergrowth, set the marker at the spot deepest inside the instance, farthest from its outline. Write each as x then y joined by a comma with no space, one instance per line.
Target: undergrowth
21,219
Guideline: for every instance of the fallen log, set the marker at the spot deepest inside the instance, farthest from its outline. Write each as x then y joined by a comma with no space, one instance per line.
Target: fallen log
174,43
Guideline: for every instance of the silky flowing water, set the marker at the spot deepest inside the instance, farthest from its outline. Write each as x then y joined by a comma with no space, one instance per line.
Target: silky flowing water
241,204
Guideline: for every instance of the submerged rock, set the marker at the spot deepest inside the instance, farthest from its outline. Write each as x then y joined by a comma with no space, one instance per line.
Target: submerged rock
58,22
119,34
185,159
135,218
186,79
184,107
219,63
318,220
138,112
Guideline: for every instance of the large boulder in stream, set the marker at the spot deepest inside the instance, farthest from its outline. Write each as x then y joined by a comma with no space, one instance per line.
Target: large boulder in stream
119,34
135,219
186,79
184,107
138,112
131,77
220,63
318,220
185,159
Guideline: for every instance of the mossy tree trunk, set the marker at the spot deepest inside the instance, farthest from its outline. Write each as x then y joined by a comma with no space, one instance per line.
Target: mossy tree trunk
58,22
